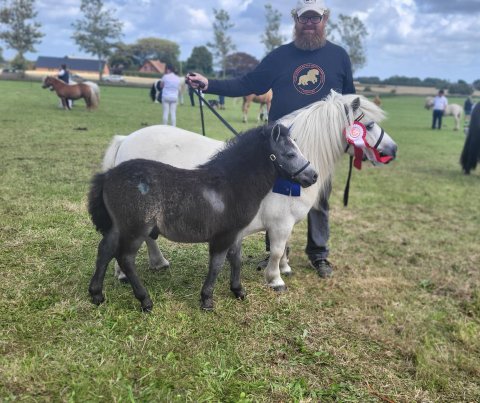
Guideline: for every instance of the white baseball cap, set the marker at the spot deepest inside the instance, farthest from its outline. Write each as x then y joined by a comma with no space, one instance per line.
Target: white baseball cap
310,5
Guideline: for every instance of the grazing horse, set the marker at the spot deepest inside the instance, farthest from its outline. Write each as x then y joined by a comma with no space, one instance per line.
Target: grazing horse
471,149
451,110
319,131
88,91
212,203
265,100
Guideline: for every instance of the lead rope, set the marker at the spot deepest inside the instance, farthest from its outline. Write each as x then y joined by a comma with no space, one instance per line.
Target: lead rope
346,192
202,100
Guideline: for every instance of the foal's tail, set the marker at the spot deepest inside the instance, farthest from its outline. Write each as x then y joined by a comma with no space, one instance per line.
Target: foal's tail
96,205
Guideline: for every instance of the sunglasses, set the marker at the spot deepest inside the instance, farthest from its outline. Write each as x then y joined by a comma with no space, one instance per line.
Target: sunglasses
314,20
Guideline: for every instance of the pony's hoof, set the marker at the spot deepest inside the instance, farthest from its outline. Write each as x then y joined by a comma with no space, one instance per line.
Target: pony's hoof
124,280
207,304
98,299
239,293
147,305
288,273
279,288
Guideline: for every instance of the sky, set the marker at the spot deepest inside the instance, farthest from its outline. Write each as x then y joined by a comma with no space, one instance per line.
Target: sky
413,38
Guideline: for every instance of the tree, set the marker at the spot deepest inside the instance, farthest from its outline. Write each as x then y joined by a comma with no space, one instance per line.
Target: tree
1,55
272,38
461,88
240,63
20,34
155,48
123,55
222,44
98,31
352,34
200,60
476,84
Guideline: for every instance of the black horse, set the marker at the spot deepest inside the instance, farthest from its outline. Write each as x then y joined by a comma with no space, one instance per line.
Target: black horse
141,198
471,149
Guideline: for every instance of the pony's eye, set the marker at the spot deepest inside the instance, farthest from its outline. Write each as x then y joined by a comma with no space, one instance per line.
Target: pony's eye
370,125
291,156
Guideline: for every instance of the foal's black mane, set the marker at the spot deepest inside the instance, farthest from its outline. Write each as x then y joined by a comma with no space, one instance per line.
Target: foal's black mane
248,145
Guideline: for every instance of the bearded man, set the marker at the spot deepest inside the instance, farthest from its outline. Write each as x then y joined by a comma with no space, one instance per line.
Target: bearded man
299,73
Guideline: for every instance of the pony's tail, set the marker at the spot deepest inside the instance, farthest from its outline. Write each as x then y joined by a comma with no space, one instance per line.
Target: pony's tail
111,153
94,98
96,205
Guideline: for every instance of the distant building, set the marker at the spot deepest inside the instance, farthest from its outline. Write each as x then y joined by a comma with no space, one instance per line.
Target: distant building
153,66
78,66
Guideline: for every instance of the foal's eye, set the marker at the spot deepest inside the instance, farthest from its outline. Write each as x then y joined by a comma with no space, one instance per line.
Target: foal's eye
370,125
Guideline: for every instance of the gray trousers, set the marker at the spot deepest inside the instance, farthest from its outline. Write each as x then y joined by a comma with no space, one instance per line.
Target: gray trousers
318,228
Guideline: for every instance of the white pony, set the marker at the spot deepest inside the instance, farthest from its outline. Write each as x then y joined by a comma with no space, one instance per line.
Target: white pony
319,132
454,110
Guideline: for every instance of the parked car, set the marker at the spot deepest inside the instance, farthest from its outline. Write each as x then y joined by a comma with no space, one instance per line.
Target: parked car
113,78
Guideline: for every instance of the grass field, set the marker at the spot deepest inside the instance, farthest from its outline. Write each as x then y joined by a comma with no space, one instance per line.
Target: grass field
399,321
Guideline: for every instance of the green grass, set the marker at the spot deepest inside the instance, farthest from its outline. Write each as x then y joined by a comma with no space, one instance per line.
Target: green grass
400,319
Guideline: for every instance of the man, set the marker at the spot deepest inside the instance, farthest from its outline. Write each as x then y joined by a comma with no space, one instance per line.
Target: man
440,103
299,73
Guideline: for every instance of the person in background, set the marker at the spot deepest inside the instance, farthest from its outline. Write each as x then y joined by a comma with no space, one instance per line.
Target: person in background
282,70
191,94
170,86
221,102
64,75
467,109
440,103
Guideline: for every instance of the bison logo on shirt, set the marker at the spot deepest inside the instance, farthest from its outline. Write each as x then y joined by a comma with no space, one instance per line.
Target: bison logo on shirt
308,79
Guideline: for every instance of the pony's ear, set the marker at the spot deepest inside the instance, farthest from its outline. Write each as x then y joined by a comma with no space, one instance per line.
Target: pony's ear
355,104
276,132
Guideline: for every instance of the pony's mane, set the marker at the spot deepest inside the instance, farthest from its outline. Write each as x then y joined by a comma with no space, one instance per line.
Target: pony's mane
242,148
318,129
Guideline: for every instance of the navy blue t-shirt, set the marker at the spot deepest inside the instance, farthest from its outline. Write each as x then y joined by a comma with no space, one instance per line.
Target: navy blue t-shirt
297,77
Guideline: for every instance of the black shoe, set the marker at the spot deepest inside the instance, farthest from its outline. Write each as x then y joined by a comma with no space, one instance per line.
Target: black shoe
322,267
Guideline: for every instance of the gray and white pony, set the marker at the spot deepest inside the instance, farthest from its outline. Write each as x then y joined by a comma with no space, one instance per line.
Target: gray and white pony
454,110
143,198
319,132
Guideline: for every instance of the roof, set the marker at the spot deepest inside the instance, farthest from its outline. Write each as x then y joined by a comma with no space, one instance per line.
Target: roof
157,65
72,63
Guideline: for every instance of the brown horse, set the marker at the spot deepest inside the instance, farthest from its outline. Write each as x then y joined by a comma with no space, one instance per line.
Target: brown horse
87,90
265,100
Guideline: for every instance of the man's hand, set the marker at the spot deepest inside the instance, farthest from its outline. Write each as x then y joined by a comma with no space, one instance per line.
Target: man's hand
197,81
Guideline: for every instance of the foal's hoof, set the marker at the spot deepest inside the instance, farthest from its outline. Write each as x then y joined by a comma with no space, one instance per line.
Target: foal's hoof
287,273
239,293
207,304
98,299
279,288
160,267
124,280
147,305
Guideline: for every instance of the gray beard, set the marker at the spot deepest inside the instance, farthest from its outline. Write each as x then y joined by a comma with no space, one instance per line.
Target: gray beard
310,42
